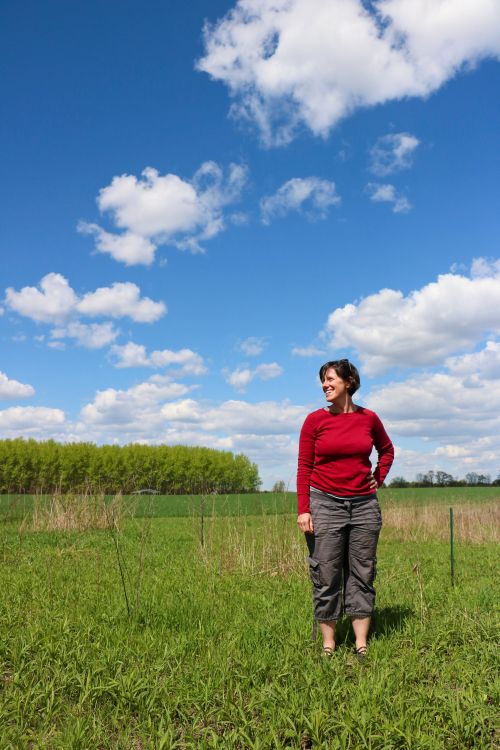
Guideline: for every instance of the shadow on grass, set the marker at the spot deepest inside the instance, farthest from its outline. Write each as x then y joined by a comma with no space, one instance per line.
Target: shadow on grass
384,622
389,619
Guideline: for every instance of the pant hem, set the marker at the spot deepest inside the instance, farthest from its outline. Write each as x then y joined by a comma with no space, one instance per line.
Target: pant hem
359,614
327,619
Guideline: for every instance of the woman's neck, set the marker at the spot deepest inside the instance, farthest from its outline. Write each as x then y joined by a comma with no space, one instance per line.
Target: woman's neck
342,406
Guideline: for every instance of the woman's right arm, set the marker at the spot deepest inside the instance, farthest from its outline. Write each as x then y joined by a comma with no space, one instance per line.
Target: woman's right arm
305,466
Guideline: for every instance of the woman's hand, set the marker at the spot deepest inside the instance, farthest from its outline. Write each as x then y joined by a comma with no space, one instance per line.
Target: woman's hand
305,523
373,482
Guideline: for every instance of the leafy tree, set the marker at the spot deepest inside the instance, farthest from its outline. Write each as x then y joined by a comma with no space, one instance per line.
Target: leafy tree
399,482
31,466
443,479
279,486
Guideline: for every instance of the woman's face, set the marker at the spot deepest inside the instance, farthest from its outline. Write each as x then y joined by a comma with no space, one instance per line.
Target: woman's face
333,385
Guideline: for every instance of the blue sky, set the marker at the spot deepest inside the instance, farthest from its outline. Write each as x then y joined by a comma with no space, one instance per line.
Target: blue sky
202,202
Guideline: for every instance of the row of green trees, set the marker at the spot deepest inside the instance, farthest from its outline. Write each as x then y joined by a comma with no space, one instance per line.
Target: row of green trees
443,479
31,466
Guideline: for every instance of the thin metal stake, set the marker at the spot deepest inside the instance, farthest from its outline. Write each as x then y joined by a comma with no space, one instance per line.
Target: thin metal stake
202,520
452,549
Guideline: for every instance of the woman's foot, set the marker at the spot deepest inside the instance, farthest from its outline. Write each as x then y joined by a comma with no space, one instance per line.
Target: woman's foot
328,651
361,653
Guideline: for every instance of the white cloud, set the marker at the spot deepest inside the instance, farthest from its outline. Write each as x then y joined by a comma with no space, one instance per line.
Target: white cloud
386,193
453,414
484,364
484,267
240,378
121,300
252,346
136,409
134,355
54,301
89,335
457,412
388,329
128,248
443,405
157,209
310,195
392,152
263,418
307,351
10,389
34,421
289,63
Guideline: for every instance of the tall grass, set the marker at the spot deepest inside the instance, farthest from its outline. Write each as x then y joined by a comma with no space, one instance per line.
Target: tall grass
78,512
473,523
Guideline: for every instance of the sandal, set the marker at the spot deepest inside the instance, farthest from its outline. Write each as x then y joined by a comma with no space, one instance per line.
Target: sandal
361,653
328,651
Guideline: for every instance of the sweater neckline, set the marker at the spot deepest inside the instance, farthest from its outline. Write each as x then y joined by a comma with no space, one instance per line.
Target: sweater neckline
342,413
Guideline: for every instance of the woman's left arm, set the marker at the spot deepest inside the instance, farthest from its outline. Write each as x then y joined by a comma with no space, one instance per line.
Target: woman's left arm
385,450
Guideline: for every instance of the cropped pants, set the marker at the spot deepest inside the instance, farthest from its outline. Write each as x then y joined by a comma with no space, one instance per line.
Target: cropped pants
342,550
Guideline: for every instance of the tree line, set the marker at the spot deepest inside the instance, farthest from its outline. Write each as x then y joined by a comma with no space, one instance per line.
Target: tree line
443,479
31,466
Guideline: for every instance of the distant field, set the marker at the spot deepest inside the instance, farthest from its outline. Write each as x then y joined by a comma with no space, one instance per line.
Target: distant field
263,503
182,506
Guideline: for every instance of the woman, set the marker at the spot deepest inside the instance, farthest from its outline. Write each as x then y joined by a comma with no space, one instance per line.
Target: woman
337,502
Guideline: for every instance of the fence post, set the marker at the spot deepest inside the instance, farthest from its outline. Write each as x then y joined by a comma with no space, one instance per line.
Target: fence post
202,521
452,549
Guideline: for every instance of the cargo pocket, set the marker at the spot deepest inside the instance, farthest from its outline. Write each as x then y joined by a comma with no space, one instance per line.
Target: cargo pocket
314,572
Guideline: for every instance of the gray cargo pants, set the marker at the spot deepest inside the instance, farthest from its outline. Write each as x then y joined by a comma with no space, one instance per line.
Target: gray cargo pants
344,542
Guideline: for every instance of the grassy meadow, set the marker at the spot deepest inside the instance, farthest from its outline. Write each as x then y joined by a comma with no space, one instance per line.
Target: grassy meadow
153,628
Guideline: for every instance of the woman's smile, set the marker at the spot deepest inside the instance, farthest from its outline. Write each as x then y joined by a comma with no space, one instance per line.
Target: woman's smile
333,385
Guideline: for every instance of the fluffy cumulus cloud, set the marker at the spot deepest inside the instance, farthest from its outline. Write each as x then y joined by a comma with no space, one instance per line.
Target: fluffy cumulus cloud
156,209
135,410
53,301
89,335
392,152
289,63
32,421
456,411
451,315
10,389
121,300
135,355
484,363
157,405
386,193
237,417
310,195
240,378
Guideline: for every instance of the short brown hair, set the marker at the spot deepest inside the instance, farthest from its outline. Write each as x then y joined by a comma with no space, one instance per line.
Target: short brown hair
345,370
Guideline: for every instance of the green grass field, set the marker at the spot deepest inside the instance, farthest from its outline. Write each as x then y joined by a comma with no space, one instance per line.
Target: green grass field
216,651
163,506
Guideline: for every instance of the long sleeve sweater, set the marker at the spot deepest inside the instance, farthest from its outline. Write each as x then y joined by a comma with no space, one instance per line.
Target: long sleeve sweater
334,454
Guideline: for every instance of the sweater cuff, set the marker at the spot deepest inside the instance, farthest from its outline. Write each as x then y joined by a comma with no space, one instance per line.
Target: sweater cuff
303,505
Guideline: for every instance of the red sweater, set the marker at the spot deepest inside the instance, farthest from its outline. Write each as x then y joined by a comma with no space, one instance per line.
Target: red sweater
334,454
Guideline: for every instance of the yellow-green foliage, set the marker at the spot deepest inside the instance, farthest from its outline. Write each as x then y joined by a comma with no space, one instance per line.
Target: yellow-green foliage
31,466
